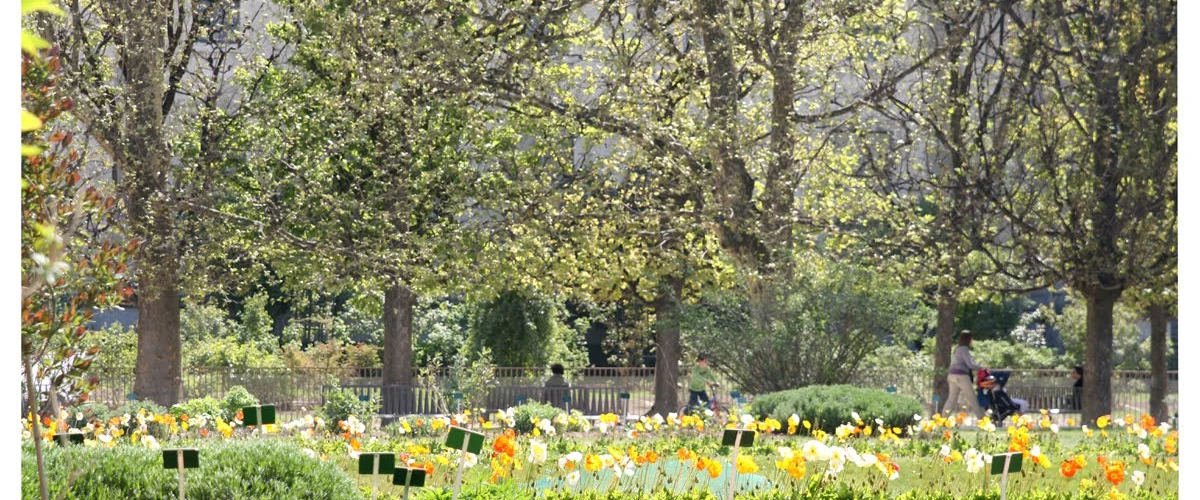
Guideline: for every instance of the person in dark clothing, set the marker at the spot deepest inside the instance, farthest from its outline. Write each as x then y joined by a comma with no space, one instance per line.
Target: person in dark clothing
556,376
1077,389
556,387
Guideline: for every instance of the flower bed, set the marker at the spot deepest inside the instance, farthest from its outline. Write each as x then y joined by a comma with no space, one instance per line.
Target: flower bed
668,457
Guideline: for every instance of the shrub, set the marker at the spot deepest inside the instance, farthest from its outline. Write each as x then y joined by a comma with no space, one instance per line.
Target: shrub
199,322
118,346
523,414
523,329
228,352
132,408
252,470
342,403
207,405
438,330
1006,354
1130,350
256,326
813,328
237,398
90,411
334,355
830,406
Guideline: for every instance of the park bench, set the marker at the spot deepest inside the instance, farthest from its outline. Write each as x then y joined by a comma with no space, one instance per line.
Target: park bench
1050,398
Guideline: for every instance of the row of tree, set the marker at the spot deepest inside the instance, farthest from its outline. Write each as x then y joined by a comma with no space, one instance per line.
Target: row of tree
637,151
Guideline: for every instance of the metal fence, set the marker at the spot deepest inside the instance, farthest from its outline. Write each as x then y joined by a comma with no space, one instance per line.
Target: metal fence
296,389
1130,389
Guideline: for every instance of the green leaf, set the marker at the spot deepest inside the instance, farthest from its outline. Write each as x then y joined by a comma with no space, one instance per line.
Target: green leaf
29,121
31,6
30,150
31,43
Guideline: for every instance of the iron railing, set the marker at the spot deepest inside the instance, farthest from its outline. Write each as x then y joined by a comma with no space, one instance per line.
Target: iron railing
297,389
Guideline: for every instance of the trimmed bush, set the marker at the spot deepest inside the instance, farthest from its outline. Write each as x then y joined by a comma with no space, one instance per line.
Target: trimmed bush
246,470
828,406
207,405
237,398
342,403
523,415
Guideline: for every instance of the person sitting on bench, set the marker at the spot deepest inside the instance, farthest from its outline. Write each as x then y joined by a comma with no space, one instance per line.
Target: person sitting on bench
556,386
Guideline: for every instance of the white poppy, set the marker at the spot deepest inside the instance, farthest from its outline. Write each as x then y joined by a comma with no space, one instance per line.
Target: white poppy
815,450
469,460
537,451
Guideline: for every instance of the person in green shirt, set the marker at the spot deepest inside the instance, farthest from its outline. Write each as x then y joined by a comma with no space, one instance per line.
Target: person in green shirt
698,382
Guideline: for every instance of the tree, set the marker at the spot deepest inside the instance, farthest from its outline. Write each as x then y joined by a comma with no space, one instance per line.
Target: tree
400,198
67,269
923,153
1091,202
709,93
134,70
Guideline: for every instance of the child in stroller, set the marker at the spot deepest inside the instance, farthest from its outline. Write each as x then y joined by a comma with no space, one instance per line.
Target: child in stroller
992,396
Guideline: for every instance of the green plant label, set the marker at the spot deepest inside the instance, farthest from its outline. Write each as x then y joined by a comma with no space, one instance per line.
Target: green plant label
1012,459
376,463
731,436
413,477
191,458
454,440
624,395
456,395
258,415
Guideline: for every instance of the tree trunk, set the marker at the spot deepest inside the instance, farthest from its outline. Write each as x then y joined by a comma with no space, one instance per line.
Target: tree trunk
1098,359
667,350
157,377
947,306
1158,361
31,391
398,304
140,149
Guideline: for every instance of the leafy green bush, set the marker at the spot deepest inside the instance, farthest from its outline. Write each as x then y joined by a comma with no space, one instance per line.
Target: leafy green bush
118,346
90,411
438,330
207,405
252,470
523,328
256,326
1130,351
523,414
199,322
334,355
237,398
991,318
812,327
226,352
830,406
1006,354
132,408
342,403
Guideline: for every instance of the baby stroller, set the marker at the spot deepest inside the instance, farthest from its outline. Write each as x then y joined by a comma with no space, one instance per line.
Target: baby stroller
991,395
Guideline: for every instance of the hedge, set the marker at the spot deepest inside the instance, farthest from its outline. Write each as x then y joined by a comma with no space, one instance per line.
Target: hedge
246,470
828,406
